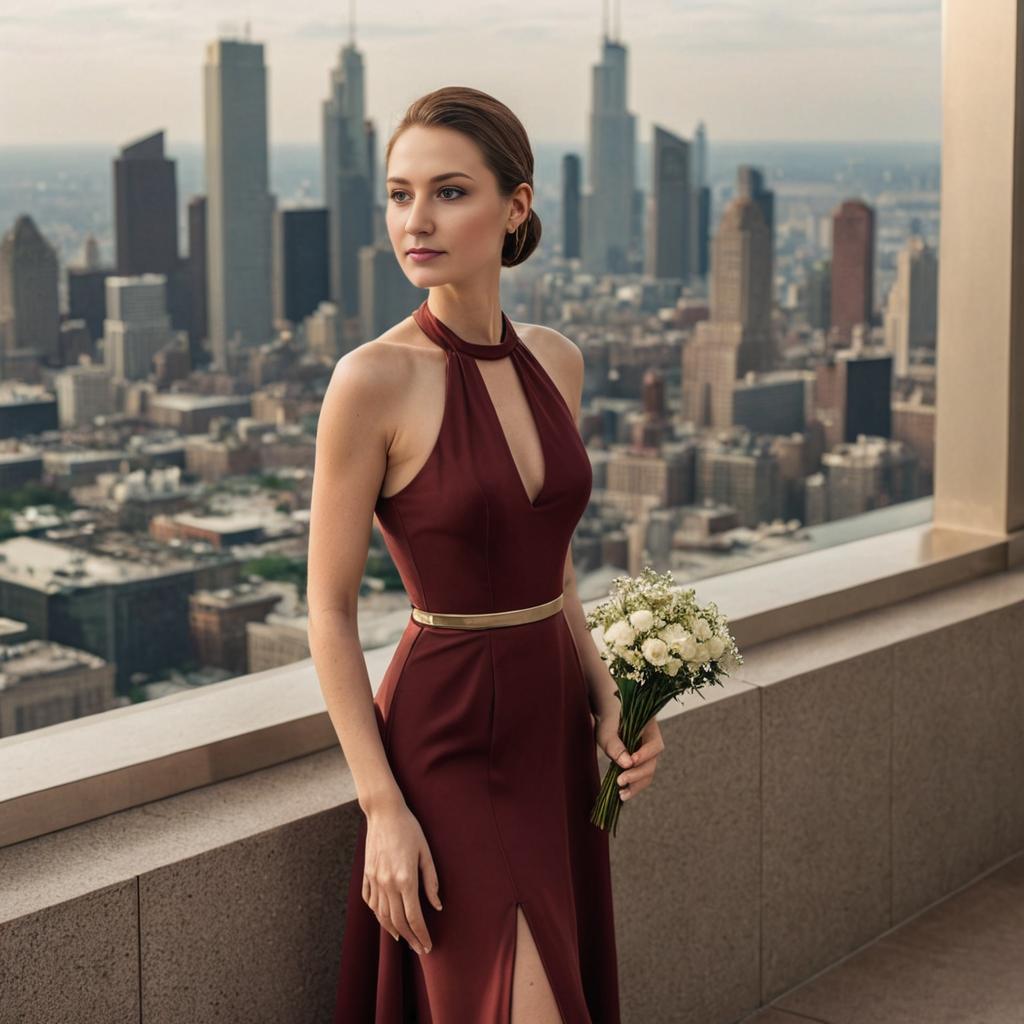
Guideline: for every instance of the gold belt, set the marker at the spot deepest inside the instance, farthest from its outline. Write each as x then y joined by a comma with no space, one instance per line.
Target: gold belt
484,620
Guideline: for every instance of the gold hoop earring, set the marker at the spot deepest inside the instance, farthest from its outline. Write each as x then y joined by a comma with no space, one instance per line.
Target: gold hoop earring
522,241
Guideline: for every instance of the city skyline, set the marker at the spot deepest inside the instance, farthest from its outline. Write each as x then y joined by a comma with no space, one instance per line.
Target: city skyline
741,67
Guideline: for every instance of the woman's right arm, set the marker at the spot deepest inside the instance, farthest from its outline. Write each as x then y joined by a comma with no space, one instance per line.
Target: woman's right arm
350,461
352,442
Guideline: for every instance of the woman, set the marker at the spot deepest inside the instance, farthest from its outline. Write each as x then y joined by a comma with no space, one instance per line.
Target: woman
475,765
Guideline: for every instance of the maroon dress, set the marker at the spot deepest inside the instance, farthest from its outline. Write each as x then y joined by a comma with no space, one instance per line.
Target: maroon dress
488,731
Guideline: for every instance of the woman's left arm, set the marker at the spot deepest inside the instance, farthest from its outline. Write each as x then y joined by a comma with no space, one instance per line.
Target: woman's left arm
604,702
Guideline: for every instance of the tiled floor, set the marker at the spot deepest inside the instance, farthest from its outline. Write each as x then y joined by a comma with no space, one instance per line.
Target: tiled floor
961,962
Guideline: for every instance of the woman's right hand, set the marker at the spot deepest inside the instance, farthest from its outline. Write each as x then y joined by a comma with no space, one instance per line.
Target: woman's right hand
396,852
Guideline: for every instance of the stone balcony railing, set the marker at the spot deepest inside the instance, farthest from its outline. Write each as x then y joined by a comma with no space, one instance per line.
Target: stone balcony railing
849,775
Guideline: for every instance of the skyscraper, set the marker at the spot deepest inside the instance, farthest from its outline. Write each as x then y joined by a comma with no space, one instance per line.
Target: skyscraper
145,209
348,172
853,266
300,261
750,183
700,218
198,278
670,209
146,220
29,303
137,325
238,202
912,309
608,235
737,338
570,206
700,155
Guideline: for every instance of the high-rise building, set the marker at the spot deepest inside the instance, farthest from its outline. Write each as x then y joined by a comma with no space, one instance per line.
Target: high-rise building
608,222
137,325
90,252
868,473
145,209
700,155
198,277
146,220
853,267
911,315
571,199
750,183
29,302
700,197
852,394
670,210
238,201
817,297
743,472
87,297
300,262
348,174
83,393
737,339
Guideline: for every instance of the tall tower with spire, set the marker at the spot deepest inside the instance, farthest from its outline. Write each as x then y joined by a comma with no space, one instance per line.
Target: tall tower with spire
239,206
608,234
348,174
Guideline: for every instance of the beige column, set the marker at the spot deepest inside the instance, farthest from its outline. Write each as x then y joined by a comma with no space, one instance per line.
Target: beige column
979,473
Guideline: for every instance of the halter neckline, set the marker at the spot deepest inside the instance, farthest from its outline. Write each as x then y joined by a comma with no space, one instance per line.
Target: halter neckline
440,332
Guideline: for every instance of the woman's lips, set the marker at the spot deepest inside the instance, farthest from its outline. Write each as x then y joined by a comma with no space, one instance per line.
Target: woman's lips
422,257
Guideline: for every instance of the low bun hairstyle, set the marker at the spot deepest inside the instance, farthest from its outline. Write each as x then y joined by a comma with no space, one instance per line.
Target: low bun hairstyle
502,140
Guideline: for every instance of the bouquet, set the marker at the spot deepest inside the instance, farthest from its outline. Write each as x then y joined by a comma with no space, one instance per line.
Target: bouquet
658,644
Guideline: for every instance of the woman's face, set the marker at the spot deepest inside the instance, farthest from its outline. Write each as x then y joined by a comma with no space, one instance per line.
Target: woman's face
461,214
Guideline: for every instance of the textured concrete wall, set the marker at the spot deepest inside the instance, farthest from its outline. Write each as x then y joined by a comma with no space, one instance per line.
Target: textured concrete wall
844,779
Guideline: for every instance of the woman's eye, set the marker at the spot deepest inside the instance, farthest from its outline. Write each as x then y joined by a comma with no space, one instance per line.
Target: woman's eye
446,188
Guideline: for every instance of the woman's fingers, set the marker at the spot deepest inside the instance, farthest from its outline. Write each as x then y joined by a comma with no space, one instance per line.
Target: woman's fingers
430,881
384,912
413,915
652,746
397,903
610,742
644,761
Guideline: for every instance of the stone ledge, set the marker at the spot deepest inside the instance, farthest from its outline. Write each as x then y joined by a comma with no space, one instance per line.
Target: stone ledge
82,770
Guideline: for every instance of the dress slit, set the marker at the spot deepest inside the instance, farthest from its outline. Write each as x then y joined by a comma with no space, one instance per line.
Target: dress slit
516,907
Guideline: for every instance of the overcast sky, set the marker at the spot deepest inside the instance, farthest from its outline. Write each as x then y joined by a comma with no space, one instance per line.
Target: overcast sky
110,71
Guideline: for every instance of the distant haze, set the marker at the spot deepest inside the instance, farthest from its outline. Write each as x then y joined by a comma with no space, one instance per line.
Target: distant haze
110,71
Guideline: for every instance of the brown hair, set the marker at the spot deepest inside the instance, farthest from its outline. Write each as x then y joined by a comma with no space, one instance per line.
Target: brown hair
502,140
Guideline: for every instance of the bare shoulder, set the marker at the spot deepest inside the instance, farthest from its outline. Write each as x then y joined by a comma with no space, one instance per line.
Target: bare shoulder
376,375
546,340
560,356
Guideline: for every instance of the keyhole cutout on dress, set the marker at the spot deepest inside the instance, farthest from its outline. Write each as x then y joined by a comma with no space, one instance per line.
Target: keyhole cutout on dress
517,424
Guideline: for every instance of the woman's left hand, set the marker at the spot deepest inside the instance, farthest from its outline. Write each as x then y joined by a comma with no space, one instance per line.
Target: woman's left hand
639,768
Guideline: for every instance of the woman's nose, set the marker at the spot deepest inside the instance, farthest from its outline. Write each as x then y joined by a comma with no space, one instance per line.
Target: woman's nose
417,222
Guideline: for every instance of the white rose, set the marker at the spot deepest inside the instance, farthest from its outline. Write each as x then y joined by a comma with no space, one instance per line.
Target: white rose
672,666
673,634
688,649
655,651
641,620
701,655
702,631
619,634
715,646
598,634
